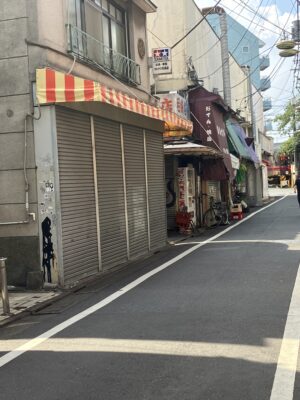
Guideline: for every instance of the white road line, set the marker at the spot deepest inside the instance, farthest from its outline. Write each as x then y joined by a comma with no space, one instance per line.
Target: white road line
284,381
58,328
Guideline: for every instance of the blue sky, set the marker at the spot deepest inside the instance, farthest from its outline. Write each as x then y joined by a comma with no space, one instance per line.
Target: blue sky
283,5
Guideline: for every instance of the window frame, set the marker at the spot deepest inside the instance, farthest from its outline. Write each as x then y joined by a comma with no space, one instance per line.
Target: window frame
110,17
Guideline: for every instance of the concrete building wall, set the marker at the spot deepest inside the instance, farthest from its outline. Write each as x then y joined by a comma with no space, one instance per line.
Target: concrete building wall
258,109
204,47
139,31
239,90
18,231
165,27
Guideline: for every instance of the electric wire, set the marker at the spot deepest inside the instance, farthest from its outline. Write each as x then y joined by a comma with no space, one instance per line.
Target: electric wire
268,54
193,28
282,30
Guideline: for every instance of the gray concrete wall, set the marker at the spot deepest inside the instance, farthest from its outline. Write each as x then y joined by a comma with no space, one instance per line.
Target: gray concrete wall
48,187
18,242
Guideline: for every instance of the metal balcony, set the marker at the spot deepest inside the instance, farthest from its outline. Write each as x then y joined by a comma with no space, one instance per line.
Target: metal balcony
265,84
268,126
264,62
267,104
94,52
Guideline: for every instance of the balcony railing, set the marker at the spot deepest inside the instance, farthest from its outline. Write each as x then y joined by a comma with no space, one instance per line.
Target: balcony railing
265,84
264,62
98,54
268,126
267,104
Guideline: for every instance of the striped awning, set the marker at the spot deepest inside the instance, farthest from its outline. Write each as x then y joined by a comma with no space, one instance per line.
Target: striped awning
56,87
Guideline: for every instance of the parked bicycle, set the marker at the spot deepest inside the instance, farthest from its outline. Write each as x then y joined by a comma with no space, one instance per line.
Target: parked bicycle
216,215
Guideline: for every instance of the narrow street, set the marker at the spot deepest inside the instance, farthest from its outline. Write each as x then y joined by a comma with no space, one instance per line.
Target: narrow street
209,325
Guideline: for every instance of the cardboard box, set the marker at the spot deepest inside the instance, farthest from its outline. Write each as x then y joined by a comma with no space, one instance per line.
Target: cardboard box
236,208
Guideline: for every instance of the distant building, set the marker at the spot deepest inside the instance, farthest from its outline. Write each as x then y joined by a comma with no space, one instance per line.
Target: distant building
244,46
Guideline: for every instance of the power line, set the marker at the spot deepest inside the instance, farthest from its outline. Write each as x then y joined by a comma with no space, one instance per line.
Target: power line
193,28
268,54
264,18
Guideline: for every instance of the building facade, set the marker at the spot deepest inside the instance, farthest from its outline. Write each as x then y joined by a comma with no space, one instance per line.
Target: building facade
81,139
198,74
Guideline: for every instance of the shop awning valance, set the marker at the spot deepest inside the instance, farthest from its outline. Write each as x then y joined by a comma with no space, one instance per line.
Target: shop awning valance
56,87
240,147
237,133
191,149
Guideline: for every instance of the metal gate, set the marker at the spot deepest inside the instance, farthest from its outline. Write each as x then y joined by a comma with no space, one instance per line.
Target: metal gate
156,189
112,193
112,215
136,191
77,195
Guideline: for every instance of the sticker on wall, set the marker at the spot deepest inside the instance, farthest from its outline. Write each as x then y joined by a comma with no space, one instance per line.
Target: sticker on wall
48,253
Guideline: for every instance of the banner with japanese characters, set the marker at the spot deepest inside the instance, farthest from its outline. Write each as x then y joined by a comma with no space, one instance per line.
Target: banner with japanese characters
175,103
208,112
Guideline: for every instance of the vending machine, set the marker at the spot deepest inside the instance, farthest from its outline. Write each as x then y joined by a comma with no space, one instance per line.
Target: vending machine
186,190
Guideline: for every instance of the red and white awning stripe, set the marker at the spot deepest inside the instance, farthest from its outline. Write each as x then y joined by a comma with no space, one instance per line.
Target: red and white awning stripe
56,87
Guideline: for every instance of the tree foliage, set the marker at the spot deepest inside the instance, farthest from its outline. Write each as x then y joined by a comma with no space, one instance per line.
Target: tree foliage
287,121
288,146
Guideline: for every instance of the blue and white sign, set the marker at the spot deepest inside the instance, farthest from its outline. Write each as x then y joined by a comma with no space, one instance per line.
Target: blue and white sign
162,61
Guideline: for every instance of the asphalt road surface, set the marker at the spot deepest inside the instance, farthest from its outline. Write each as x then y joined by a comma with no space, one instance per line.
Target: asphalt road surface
217,318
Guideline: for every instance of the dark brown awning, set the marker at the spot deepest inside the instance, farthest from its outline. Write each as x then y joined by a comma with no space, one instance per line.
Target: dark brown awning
208,113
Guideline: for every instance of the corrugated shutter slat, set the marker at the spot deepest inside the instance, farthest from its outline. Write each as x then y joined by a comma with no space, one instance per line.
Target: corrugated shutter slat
111,193
156,188
78,209
136,191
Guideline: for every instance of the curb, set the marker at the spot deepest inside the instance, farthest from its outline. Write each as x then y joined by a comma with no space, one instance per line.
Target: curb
35,308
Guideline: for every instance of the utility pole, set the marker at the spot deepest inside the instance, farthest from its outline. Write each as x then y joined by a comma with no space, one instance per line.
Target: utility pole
225,56
255,135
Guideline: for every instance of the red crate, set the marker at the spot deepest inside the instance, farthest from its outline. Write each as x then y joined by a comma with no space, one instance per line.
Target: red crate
236,215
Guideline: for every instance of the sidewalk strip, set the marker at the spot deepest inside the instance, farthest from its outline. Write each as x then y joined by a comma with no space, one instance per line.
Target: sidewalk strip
60,327
284,381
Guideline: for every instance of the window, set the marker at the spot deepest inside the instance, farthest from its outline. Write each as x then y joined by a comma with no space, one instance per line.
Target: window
75,14
76,25
245,49
98,33
114,32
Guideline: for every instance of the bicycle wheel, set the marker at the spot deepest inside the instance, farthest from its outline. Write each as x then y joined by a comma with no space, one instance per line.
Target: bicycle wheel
210,219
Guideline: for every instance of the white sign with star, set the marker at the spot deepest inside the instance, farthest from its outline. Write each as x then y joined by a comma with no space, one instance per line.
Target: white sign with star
162,61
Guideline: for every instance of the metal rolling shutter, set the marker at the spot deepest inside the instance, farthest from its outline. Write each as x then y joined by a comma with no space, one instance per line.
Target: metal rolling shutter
111,193
136,191
77,195
156,189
